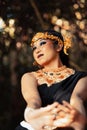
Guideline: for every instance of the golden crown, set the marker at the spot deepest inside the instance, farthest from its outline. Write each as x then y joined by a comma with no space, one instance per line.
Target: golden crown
40,35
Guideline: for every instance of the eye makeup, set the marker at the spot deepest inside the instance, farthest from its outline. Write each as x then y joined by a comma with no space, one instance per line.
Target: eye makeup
41,43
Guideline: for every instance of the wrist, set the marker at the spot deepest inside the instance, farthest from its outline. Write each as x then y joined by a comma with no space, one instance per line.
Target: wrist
80,123
28,111
78,126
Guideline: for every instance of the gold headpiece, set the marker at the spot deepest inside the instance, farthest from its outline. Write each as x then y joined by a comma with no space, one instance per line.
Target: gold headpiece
40,35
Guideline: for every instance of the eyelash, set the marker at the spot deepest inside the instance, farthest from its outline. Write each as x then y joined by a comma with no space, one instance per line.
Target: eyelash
41,43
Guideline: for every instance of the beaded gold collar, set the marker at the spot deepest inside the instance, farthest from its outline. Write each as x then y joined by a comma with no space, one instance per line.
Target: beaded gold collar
53,76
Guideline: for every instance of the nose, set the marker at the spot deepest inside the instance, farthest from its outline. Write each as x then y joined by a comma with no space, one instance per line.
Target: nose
38,50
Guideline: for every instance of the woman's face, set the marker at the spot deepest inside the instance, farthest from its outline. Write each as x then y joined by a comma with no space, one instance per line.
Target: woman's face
44,52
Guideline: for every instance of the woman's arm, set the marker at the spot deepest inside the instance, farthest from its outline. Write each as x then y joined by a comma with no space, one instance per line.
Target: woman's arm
30,91
31,95
73,114
34,114
78,97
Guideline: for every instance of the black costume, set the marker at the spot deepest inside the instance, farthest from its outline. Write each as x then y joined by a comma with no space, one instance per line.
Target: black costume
58,91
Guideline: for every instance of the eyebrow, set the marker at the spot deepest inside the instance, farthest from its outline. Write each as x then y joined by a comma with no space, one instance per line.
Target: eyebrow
39,41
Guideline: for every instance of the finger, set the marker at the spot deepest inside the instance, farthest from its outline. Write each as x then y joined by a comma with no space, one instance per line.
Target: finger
74,112
48,120
66,104
50,107
55,111
63,108
62,122
61,114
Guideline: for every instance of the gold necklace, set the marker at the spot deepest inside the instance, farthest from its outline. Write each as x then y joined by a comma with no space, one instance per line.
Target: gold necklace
54,75
53,71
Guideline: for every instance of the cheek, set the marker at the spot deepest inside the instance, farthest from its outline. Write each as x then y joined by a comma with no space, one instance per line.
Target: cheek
48,47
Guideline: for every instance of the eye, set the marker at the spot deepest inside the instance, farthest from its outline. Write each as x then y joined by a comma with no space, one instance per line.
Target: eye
42,43
34,48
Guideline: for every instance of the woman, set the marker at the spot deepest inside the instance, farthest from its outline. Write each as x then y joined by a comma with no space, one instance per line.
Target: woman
46,89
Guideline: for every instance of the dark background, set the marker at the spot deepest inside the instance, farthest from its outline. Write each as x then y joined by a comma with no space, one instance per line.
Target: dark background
30,16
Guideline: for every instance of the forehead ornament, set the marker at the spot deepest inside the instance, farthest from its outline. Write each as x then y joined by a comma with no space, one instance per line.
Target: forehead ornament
66,43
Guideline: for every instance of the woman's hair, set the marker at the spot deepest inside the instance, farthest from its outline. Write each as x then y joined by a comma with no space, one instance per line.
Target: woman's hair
54,33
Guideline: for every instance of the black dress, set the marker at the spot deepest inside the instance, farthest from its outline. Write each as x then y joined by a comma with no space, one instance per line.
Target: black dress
58,92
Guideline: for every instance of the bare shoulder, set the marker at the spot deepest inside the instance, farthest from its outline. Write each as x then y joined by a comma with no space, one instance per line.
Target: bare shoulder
28,82
28,74
81,88
28,77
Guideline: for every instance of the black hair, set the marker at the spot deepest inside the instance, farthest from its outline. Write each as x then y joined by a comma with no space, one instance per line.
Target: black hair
55,33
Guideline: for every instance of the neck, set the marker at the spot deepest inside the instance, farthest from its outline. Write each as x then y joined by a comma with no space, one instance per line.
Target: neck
54,65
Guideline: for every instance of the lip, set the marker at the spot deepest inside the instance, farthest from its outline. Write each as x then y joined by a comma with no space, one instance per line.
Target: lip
39,55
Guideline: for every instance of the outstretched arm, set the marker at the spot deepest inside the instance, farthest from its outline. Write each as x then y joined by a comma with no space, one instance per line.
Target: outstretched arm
35,115
77,101
73,114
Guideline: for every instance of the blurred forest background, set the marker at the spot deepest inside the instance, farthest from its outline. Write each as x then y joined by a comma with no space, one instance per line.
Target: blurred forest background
19,20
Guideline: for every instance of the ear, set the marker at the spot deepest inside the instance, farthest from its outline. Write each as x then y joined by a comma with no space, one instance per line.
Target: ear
59,47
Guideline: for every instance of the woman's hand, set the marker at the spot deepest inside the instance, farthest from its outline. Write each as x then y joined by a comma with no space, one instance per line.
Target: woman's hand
35,113
43,117
56,115
68,116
